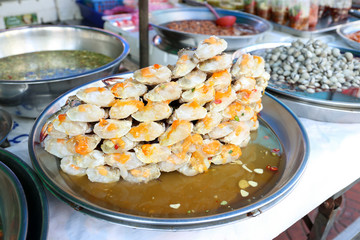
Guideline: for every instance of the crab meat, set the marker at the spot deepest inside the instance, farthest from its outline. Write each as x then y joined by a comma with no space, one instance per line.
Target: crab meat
192,79
129,88
185,63
178,131
112,128
86,113
153,75
210,47
99,96
124,108
153,111
117,145
164,92
103,174
190,112
146,131
152,153
217,63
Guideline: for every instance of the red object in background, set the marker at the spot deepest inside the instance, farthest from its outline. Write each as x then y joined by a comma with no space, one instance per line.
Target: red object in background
118,10
355,92
313,16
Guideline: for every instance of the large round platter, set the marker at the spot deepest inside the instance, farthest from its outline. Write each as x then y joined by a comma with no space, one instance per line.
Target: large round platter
14,210
347,29
328,106
275,117
181,39
34,192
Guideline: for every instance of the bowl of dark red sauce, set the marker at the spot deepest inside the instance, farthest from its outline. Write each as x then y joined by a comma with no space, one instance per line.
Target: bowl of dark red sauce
187,27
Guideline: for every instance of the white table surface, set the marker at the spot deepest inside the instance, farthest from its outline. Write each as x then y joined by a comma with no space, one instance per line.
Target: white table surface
333,164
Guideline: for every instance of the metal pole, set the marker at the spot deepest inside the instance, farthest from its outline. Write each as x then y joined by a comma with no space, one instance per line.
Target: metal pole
144,32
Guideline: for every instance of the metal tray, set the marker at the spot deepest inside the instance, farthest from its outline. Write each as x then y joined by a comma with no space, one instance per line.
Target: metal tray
34,192
14,210
275,117
342,31
325,106
182,40
323,26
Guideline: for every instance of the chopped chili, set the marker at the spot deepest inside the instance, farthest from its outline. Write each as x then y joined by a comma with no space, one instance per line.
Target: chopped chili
272,168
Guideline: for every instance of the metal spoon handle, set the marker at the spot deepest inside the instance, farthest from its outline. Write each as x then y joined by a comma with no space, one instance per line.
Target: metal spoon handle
211,9
206,4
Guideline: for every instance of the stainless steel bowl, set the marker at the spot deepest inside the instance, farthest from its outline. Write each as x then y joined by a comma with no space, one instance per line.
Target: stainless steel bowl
348,29
275,115
181,39
28,98
13,206
327,106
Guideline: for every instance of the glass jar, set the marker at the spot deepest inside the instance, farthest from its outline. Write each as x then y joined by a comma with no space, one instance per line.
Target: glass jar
214,3
279,11
324,6
263,8
227,4
313,15
239,4
249,6
299,11
340,9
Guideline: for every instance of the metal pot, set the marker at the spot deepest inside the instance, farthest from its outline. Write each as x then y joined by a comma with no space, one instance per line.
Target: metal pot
179,39
27,98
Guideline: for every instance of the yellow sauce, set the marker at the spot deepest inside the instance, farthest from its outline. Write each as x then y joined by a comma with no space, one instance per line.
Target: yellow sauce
199,195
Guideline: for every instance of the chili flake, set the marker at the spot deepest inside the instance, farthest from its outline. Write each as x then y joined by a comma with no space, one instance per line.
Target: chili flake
217,101
116,146
275,150
272,168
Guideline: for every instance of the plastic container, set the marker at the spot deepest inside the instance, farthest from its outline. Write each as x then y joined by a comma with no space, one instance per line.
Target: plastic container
92,11
279,11
102,5
263,9
299,11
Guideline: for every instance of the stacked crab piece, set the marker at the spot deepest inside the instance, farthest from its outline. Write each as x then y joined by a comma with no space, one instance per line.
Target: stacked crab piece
165,118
